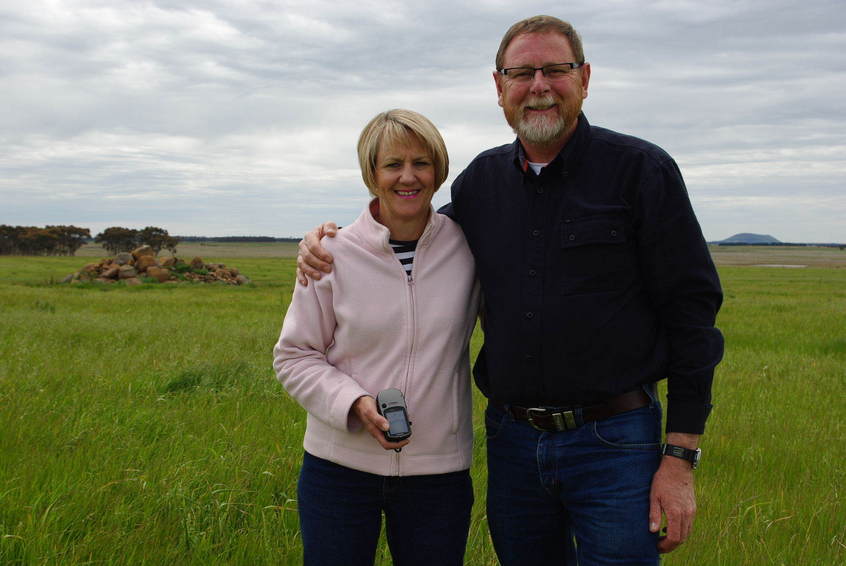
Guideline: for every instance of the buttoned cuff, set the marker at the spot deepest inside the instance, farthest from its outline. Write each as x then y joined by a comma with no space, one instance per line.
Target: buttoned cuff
687,417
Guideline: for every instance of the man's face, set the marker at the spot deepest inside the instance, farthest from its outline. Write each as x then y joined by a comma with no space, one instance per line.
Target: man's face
542,111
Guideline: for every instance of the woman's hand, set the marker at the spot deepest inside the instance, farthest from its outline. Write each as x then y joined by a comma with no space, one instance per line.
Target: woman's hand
312,259
374,423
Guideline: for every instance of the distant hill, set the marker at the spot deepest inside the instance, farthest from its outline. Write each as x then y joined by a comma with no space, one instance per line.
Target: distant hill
746,238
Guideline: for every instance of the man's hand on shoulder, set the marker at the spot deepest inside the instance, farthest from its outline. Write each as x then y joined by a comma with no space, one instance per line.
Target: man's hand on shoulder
312,259
673,495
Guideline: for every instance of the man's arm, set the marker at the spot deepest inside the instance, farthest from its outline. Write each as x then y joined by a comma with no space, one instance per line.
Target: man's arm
685,292
312,259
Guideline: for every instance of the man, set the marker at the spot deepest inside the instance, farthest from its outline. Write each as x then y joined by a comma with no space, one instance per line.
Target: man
597,284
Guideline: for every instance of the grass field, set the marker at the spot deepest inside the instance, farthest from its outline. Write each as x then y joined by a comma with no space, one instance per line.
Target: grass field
143,425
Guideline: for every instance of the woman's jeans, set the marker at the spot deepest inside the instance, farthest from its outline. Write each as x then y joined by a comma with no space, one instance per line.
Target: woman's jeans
554,497
426,517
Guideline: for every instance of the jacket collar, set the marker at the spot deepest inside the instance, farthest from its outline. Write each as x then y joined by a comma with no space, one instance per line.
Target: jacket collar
376,236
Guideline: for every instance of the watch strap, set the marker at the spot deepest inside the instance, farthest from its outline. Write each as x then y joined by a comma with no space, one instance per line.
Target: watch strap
691,456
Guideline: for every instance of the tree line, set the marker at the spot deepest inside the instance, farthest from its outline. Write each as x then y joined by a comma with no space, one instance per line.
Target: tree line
50,240
117,239
66,240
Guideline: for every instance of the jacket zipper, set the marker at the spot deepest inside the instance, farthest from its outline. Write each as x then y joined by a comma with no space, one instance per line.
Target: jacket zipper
412,315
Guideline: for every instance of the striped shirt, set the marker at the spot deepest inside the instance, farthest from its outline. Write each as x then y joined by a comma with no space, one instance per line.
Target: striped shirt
405,254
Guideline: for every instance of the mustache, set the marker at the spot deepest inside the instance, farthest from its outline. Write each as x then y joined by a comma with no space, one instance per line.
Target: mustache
539,101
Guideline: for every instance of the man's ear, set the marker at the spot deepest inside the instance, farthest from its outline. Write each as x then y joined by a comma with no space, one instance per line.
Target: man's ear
498,82
585,77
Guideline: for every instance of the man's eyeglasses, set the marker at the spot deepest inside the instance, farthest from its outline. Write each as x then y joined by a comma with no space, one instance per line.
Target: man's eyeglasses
552,72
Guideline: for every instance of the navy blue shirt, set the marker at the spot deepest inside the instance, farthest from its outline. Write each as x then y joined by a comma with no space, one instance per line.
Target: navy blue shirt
595,275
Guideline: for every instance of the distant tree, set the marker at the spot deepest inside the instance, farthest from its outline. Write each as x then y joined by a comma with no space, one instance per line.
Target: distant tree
156,238
70,238
170,244
10,239
117,239
37,241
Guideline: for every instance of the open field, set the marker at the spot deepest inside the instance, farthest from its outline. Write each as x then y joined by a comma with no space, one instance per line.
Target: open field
775,255
143,425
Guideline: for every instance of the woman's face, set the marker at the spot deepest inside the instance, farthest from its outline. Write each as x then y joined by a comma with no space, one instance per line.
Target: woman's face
405,181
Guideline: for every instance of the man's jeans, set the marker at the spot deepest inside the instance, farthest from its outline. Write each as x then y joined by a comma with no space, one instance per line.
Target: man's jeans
427,518
554,497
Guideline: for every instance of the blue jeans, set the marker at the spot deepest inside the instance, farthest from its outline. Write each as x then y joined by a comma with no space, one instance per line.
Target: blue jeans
573,497
427,518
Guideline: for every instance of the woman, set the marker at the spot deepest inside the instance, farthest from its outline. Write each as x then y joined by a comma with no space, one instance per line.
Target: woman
396,312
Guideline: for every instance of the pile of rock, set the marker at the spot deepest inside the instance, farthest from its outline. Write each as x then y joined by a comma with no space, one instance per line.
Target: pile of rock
141,263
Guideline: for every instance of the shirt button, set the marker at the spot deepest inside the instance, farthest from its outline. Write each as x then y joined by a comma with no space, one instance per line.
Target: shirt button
539,190
536,233
530,314
532,273
571,237
613,233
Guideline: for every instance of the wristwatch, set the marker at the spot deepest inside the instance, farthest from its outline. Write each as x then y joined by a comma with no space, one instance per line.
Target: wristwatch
691,456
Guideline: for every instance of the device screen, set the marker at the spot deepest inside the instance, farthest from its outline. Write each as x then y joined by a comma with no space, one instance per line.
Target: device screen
397,422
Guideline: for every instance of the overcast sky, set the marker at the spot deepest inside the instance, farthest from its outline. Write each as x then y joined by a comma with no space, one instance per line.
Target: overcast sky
241,118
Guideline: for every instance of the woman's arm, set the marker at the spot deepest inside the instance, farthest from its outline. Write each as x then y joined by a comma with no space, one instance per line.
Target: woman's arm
301,366
299,358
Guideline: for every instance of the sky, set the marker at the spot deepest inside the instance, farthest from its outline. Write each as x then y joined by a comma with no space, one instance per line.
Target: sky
221,118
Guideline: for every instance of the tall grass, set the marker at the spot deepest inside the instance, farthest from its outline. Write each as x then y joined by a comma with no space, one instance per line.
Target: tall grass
143,425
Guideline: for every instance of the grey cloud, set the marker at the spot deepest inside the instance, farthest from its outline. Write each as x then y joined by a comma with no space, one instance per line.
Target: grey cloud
219,115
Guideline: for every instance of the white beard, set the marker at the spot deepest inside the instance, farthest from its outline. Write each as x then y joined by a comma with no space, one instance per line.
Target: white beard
542,130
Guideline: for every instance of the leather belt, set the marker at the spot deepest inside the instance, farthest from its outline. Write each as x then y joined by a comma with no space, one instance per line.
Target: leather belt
556,419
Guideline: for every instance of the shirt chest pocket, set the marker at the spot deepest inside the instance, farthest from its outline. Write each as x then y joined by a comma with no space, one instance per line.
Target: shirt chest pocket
596,254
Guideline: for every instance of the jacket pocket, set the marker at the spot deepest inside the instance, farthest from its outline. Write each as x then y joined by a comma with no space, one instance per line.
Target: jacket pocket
596,254
594,230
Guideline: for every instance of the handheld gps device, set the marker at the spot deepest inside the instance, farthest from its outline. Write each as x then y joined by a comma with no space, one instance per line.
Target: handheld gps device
391,404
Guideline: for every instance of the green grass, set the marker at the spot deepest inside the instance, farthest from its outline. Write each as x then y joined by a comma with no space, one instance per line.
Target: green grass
143,425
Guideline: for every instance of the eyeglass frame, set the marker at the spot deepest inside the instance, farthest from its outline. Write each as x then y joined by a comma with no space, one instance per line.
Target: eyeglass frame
573,66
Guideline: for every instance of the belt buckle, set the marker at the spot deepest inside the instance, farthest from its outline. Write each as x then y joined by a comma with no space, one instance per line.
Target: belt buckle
563,420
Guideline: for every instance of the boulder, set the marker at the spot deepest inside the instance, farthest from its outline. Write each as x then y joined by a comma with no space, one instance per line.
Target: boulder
144,262
197,263
127,272
123,258
111,272
242,280
159,273
132,282
142,251
168,262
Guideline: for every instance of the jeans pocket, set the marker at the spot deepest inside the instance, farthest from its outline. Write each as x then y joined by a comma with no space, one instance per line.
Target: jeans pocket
494,420
639,429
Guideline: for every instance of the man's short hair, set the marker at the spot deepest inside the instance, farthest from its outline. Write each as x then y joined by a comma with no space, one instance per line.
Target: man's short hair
398,126
542,24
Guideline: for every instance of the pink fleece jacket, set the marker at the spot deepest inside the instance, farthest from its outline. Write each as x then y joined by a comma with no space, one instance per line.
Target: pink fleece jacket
365,327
